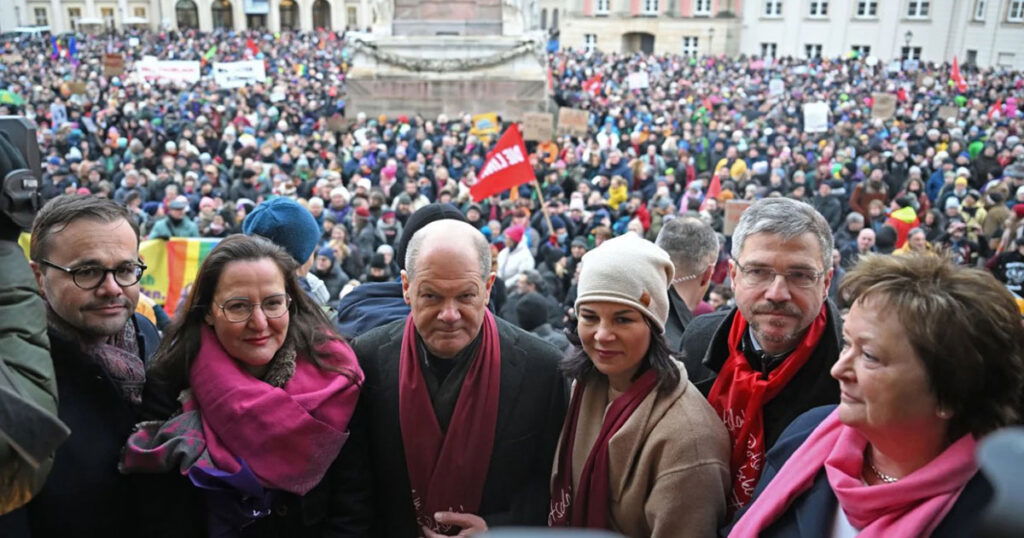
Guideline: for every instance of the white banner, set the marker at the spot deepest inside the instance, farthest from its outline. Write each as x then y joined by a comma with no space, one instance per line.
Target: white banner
173,70
639,81
815,117
238,74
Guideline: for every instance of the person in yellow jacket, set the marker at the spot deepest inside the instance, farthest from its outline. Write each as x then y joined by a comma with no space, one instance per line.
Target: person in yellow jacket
917,243
737,166
618,192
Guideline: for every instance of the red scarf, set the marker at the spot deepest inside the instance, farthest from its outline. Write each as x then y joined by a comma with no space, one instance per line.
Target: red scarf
739,395
447,470
589,506
913,506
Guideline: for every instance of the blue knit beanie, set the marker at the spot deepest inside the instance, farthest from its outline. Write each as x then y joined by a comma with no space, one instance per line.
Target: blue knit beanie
286,223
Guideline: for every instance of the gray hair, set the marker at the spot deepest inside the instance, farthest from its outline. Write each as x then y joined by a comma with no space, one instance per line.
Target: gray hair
477,239
534,278
855,217
787,218
690,243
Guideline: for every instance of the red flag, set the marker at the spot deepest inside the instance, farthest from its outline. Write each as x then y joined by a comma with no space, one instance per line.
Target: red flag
593,85
251,45
506,166
997,108
714,189
957,77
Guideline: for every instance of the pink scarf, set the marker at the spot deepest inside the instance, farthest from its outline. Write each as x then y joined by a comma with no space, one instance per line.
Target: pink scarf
288,436
914,506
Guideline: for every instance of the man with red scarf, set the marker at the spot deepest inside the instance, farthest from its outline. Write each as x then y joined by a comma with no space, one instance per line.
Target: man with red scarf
457,424
766,361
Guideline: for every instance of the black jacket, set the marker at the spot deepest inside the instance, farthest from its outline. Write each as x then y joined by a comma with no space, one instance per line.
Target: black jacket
531,408
85,494
706,347
811,513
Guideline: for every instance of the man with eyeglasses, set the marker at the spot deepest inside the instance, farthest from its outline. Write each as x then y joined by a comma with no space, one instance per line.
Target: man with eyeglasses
764,362
85,257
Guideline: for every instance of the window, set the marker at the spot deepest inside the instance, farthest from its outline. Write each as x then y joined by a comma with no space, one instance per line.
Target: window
910,53
1005,60
1016,11
602,7
590,42
690,46
773,8
41,18
351,17
972,57
544,19
650,7
107,13
74,13
554,18
979,10
140,12
867,9
819,8
812,50
768,50
702,7
862,51
917,9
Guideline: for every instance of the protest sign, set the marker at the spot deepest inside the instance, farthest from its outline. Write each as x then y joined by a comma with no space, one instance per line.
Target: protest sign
77,88
237,74
113,65
538,126
776,87
572,121
639,81
946,112
815,117
171,70
884,106
733,210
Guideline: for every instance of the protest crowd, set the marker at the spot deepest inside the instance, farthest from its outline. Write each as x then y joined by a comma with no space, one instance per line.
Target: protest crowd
876,189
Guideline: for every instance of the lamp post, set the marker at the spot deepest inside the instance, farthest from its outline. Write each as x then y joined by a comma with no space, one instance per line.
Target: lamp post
711,41
907,38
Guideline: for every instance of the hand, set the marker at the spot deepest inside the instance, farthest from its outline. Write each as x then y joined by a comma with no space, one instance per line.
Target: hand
469,523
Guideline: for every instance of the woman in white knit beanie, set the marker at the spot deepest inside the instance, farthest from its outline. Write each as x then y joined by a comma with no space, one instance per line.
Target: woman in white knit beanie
641,452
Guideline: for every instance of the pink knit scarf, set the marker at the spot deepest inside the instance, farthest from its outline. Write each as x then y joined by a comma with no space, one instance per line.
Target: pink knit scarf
914,506
288,436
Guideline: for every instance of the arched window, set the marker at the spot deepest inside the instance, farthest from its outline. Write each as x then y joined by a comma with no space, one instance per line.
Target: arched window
289,15
554,18
321,14
187,14
544,19
222,14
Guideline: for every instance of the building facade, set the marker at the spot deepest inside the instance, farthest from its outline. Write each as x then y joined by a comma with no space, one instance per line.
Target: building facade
206,15
693,27
985,32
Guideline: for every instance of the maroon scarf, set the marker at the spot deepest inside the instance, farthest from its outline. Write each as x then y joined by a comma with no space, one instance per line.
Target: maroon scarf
588,505
739,395
447,470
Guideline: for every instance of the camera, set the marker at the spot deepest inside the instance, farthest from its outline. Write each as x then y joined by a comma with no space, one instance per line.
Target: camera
20,171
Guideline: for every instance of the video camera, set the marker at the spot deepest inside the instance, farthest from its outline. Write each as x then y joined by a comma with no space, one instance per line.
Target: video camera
20,171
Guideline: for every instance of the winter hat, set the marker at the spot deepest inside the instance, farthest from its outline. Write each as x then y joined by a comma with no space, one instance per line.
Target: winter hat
327,252
515,233
286,223
960,181
363,211
642,284
531,311
426,214
952,202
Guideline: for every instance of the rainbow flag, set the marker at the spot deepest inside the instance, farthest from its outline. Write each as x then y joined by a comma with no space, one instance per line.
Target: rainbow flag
300,70
173,265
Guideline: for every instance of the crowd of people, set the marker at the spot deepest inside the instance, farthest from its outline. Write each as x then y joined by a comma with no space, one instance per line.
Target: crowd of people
363,321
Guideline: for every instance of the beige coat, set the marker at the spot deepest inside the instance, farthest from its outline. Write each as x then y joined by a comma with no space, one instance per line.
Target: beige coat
669,464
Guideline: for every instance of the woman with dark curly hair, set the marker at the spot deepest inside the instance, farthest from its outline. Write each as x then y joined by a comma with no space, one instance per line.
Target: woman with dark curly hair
933,360
638,434
252,392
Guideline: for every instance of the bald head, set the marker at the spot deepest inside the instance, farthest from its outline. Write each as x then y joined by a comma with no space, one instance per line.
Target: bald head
452,237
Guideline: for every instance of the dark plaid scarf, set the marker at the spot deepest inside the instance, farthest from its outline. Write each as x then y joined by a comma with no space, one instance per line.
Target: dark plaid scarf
119,359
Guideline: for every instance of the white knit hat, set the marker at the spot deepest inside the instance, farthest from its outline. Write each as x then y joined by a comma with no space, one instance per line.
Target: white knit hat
628,270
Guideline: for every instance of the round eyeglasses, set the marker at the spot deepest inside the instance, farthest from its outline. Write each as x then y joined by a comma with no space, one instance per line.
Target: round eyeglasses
239,310
90,277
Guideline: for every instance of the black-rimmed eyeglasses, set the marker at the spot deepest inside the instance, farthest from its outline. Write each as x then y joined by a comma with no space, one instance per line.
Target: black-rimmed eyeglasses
762,276
239,310
90,277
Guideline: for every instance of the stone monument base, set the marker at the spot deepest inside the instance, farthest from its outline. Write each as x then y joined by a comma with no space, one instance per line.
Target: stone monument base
430,75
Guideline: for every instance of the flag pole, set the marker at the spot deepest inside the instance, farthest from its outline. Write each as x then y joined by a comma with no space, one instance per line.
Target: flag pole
547,218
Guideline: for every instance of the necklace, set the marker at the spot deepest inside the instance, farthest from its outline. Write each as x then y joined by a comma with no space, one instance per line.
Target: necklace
888,479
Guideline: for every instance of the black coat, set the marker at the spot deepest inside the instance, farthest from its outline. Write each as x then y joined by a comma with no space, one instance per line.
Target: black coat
811,513
706,348
531,408
85,495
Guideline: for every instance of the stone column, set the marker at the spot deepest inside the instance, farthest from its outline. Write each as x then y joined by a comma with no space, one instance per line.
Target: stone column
238,14
57,22
305,14
274,16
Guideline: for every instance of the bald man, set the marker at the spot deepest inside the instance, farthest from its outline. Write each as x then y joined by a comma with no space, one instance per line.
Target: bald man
460,414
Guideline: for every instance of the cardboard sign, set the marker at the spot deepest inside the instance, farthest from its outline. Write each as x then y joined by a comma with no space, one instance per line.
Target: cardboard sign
230,75
11,58
572,121
76,88
885,105
337,123
538,126
815,117
113,65
639,81
946,112
733,210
